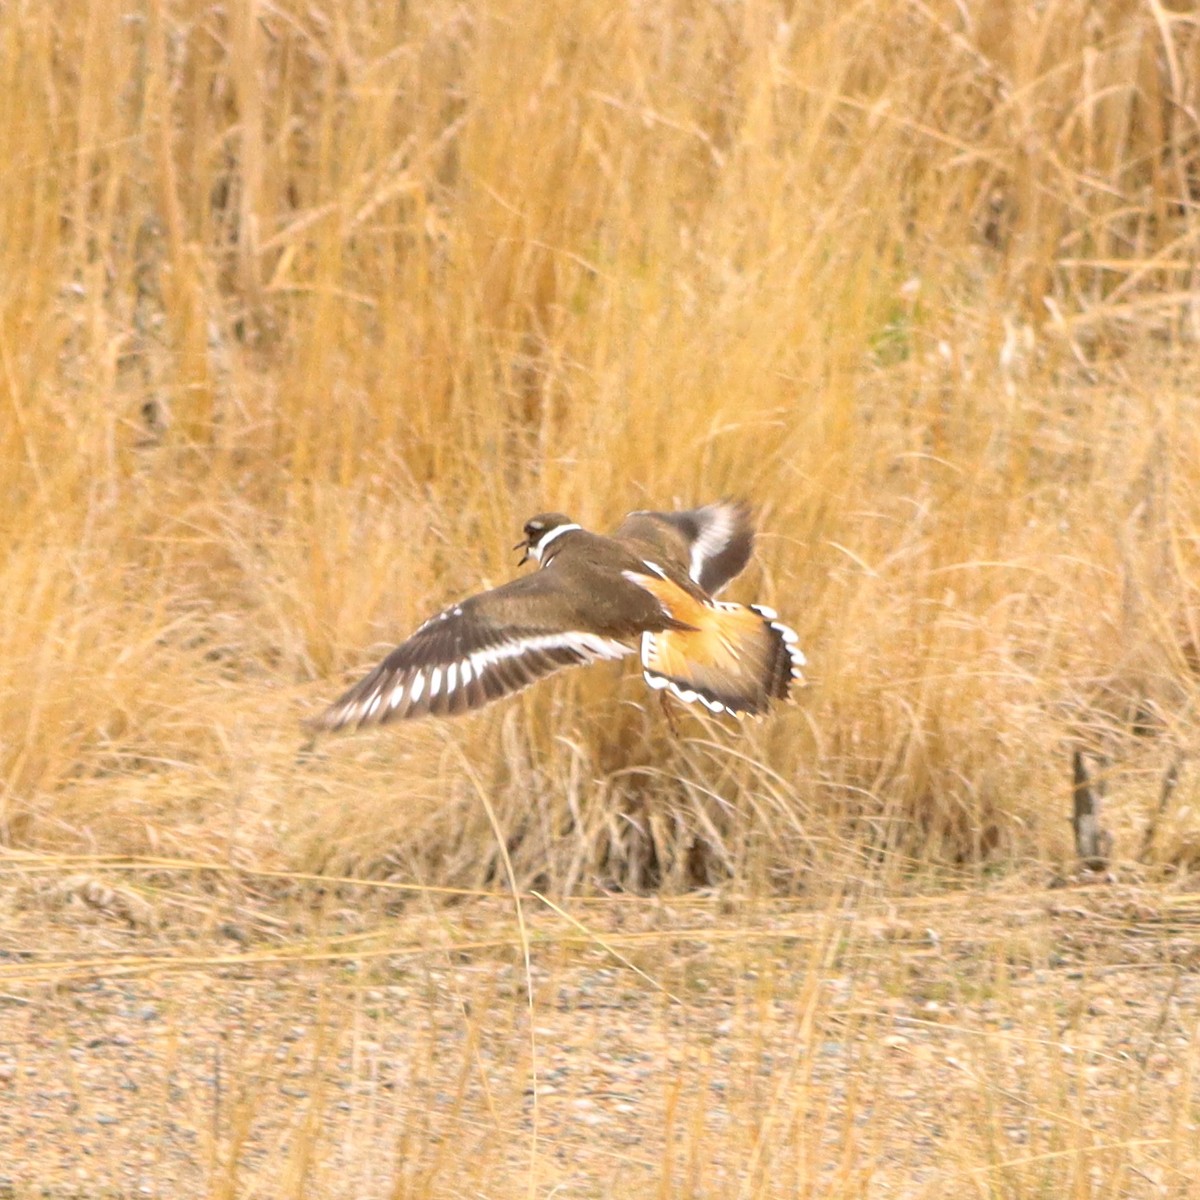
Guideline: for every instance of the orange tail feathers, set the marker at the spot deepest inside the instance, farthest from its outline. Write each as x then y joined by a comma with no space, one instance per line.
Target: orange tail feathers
734,658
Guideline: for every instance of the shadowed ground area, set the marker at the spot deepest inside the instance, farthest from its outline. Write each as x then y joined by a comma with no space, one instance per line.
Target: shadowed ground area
1007,1043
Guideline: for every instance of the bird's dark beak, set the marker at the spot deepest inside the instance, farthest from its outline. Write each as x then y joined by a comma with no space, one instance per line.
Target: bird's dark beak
523,546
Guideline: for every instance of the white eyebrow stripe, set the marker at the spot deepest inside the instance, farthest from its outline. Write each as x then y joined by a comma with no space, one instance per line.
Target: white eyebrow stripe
539,547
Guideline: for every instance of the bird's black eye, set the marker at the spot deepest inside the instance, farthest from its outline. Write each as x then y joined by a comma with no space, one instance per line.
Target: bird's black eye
534,527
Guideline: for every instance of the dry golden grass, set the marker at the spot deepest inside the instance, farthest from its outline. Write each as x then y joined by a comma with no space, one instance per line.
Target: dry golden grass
305,307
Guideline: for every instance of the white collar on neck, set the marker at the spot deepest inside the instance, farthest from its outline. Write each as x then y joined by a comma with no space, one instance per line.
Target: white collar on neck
539,548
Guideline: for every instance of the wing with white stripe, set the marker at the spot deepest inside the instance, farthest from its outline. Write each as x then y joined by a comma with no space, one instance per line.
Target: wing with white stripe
489,646
712,544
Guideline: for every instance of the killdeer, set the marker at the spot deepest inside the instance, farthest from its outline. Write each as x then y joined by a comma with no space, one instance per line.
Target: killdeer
651,585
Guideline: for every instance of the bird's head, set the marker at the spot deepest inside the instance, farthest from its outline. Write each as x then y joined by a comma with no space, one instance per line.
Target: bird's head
540,531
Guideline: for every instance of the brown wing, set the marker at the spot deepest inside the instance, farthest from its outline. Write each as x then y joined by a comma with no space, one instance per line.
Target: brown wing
710,544
486,647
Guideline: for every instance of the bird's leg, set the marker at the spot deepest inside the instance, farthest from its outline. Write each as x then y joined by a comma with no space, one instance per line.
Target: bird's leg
669,713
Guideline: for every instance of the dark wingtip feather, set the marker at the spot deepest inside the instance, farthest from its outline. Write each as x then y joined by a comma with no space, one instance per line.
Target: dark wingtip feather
730,560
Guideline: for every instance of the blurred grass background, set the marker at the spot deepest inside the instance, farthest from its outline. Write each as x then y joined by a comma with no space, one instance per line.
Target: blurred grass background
304,308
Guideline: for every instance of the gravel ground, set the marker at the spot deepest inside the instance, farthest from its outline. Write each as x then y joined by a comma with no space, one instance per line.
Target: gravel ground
155,1046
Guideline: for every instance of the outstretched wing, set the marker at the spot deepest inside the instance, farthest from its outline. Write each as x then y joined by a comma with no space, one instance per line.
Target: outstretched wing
486,647
711,544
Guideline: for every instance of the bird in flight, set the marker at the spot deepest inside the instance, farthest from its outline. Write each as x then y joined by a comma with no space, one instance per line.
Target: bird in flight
650,588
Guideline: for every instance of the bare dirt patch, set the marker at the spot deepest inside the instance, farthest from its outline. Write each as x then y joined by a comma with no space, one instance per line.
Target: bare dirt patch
971,1043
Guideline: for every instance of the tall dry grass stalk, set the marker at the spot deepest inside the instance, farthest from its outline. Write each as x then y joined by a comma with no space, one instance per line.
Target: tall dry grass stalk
305,307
